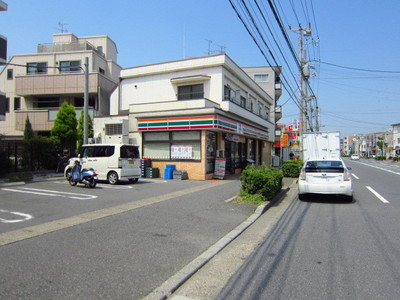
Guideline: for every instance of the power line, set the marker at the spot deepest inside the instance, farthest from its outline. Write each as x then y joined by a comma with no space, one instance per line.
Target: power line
358,69
262,51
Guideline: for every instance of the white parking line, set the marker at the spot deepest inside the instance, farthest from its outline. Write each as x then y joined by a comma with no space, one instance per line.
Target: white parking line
51,193
377,195
355,176
104,186
25,217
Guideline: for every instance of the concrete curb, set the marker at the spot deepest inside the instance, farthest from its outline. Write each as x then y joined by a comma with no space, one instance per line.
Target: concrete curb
36,178
174,282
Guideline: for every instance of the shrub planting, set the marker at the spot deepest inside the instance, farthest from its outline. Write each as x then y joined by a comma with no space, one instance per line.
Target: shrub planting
291,168
265,181
380,157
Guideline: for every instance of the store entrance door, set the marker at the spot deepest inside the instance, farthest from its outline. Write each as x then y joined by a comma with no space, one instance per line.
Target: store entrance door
228,157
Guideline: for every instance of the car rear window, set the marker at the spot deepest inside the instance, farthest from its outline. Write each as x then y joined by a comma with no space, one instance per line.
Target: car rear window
325,166
129,152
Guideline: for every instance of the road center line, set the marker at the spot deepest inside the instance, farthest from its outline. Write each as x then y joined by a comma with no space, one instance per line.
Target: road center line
377,195
37,230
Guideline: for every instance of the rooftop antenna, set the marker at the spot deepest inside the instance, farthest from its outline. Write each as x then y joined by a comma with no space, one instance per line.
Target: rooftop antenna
222,48
209,46
62,28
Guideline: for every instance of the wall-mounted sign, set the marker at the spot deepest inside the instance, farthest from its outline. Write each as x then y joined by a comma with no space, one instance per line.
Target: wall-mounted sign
181,152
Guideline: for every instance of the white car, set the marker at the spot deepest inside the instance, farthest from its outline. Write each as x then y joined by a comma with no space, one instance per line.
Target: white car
327,177
355,157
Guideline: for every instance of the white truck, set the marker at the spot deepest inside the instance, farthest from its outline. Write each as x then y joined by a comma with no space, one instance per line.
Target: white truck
323,145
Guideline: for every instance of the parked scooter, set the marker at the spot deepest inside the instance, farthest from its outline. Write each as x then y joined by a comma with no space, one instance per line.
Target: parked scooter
86,176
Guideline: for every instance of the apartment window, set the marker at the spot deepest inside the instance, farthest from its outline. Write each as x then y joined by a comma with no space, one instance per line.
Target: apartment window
227,93
47,102
177,145
243,101
17,103
101,71
36,68
10,74
3,107
261,78
73,66
187,92
79,101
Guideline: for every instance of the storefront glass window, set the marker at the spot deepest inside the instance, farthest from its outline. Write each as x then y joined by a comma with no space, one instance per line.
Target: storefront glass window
156,136
186,135
156,151
177,145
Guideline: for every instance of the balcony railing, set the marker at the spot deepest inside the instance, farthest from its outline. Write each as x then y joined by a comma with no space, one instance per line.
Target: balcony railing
67,47
53,84
243,105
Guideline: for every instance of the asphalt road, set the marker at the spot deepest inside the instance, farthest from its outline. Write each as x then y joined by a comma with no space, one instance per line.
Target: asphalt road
327,249
111,242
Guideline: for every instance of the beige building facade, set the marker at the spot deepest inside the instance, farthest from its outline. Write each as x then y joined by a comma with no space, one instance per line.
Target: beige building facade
36,85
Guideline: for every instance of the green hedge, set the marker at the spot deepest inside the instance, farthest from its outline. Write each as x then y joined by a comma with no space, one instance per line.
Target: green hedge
380,157
265,181
291,168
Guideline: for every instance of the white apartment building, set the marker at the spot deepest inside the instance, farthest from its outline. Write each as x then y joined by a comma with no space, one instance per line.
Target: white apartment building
36,85
191,112
396,139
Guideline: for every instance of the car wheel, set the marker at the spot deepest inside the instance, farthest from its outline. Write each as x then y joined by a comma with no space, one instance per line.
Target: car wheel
348,199
133,180
112,177
302,197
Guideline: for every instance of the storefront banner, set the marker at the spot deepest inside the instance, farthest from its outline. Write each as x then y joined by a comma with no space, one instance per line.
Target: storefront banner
232,137
181,152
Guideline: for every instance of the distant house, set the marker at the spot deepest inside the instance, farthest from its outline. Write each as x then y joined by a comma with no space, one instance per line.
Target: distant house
35,85
192,111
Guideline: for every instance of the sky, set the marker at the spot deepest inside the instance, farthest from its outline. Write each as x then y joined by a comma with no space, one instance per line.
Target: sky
353,50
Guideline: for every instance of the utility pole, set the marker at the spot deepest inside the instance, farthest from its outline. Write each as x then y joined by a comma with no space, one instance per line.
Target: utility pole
86,102
304,74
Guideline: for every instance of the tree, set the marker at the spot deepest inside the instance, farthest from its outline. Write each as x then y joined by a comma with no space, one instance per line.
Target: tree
27,152
64,129
28,131
80,129
381,144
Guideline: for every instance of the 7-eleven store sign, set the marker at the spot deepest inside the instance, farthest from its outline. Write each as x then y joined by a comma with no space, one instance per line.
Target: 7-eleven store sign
201,122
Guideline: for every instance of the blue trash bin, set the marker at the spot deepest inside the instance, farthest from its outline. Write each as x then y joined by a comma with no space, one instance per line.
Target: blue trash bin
169,171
